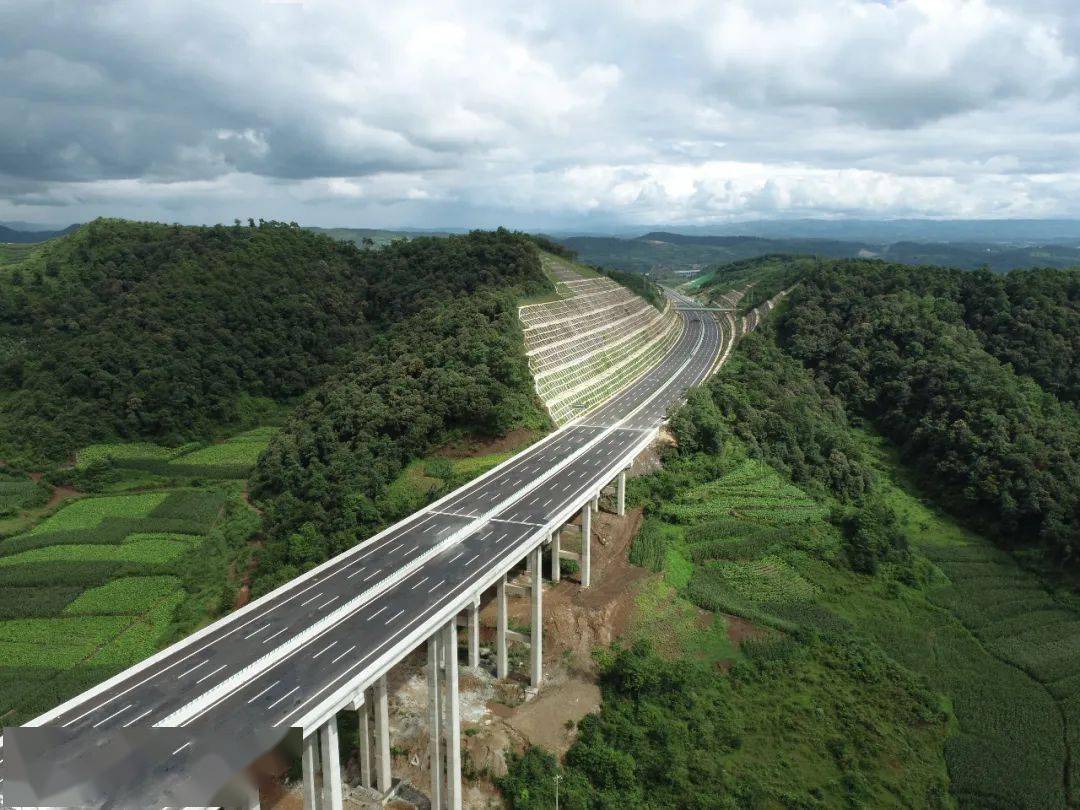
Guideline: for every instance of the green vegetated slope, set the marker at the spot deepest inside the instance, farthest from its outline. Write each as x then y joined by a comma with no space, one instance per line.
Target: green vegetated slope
128,330
877,653
143,362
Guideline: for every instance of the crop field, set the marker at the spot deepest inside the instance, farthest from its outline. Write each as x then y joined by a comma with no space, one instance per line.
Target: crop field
746,549
144,549
120,452
19,494
127,595
94,588
753,492
728,545
89,513
1005,649
241,450
980,629
232,458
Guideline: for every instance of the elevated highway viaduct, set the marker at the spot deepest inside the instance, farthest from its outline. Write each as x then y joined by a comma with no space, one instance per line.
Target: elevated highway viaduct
176,728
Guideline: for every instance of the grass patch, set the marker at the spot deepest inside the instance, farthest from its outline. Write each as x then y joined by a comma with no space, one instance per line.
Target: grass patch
990,637
678,628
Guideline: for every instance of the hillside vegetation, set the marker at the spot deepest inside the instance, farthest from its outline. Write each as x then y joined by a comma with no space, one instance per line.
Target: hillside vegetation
130,330
164,378
450,357
896,345
795,511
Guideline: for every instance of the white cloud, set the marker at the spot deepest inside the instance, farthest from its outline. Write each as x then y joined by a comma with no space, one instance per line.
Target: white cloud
468,112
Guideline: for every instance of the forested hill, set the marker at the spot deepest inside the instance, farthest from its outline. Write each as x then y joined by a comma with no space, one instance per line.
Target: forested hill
139,330
974,376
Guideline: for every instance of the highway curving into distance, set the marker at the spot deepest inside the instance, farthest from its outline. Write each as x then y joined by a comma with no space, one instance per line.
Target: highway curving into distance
237,686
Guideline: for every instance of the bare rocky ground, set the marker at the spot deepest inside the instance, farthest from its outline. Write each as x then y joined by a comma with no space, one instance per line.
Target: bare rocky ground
499,716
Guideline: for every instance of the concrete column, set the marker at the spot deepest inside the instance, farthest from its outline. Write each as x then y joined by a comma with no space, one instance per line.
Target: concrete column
474,634
310,768
586,545
434,722
556,568
620,486
453,721
382,737
331,765
501,666
596,502
536,641
364,733
252,790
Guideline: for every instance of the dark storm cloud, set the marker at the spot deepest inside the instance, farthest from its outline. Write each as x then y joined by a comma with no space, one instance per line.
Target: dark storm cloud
538,113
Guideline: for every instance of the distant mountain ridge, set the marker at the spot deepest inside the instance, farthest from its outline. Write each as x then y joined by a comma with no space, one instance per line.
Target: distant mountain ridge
13,236
993,231
662,250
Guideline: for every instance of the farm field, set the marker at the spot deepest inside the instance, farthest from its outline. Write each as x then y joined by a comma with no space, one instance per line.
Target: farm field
144,559
739,548
241,450
107,579
232,458
999,646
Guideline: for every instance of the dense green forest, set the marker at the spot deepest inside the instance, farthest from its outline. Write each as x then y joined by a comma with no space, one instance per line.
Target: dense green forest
449,356
128,330
920,352
147,331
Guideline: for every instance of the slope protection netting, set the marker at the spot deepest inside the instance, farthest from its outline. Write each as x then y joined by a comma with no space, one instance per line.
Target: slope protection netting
595,341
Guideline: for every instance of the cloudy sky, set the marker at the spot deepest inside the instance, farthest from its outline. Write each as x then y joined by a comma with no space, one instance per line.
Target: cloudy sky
581,115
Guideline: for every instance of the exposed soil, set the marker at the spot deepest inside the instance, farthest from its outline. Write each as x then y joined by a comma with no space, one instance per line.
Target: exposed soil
246,495
243,593
60,494
740,629
470,447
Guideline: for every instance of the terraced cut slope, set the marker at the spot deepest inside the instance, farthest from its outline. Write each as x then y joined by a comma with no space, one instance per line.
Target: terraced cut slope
597,338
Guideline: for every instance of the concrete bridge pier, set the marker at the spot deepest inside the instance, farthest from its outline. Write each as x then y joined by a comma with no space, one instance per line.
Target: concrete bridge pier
536,639
434,683
620,494
331,765
452,719
556,537
362,705
586,545
383,779
474,633
501,664
310,764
